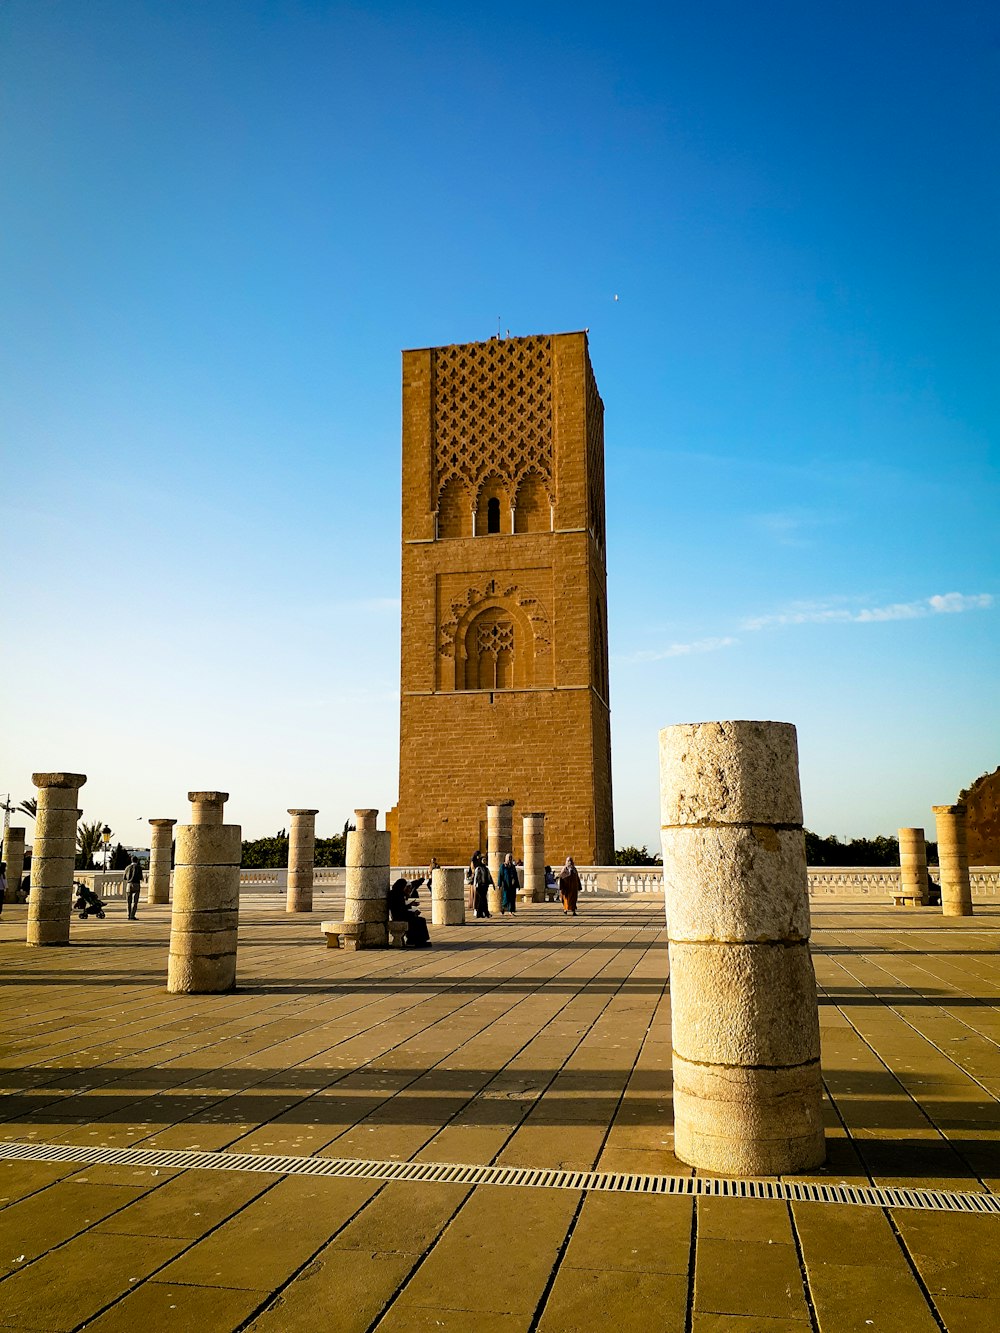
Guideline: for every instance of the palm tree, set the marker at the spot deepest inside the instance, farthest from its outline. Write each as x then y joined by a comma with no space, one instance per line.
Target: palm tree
27,807
89,841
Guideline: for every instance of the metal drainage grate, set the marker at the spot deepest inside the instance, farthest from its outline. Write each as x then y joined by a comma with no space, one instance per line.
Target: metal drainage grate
444,1173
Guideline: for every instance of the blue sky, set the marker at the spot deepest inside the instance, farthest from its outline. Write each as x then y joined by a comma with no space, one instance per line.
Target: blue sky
222,222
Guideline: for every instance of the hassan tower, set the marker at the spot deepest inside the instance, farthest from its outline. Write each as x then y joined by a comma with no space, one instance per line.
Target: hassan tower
504,676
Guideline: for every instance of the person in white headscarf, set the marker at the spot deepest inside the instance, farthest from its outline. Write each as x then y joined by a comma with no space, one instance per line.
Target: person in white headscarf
569,886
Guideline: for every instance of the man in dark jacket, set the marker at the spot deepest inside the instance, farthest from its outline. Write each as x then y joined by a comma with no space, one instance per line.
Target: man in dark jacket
133,883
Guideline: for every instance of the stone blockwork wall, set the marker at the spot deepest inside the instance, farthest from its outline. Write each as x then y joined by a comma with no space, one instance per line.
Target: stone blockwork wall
982,819
504,681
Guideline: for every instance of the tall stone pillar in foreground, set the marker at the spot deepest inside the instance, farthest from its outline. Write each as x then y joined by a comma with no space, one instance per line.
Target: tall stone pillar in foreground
53,857
13,855
747,1089
161,839
953,858
366,895
913,866
534,858
206,901
301,860
448,896
499,841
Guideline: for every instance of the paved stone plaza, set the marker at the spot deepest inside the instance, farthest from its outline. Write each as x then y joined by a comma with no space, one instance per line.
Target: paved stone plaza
531,1042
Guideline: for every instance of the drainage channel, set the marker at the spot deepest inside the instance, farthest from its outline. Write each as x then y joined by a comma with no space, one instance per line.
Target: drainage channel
443,1173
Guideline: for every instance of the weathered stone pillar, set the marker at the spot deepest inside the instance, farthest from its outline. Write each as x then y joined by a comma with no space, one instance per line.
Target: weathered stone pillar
53,857
534,858
953,858
499,841
301,859
13,855
448,896
366,896
160,842
747,1089
206,900
912,867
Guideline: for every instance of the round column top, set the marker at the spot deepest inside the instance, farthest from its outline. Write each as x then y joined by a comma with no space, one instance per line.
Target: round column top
739,772
15,832
365,820
498,804
163,823
533,814
913,832
215,797
948,809
66,780
303,812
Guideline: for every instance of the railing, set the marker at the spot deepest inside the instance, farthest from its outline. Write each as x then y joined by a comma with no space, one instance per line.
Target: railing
826,883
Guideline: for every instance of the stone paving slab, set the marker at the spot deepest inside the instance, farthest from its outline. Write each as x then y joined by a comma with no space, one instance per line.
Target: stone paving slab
535,1041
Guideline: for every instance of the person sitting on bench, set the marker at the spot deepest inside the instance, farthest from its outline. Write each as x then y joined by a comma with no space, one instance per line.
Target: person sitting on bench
403,907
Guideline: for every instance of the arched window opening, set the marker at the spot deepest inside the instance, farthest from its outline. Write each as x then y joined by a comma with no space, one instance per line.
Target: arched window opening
493,515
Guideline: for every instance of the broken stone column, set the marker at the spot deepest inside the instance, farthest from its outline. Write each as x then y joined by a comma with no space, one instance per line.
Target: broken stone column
913,866
499,841
747,1088
366,896
53,857
301,860
448,896
533,884
160,842
953,858
13,855
206,900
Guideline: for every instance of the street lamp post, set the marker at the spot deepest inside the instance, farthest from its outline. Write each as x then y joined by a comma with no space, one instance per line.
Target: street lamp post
105,838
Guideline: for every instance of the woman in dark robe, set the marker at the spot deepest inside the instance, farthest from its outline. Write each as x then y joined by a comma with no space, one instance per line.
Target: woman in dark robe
569,886
481,881
403,907
508,884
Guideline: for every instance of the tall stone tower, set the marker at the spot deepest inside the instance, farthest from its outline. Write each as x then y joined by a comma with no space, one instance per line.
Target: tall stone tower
504,680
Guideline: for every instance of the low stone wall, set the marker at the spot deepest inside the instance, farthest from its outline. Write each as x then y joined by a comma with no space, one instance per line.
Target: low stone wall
841,884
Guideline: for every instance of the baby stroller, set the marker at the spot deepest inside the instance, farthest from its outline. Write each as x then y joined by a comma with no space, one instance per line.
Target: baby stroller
86,902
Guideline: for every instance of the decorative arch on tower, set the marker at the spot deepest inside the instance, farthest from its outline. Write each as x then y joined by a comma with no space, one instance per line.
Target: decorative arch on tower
496,638
533,503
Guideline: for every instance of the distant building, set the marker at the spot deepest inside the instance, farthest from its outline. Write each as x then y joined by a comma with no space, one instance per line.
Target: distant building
504,677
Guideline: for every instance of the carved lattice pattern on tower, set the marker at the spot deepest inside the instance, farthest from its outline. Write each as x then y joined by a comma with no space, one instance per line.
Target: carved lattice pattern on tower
497,637
493,413
595,457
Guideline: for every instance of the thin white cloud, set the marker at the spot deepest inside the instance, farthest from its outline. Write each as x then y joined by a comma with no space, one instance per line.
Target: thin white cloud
950,602
818,614
681,650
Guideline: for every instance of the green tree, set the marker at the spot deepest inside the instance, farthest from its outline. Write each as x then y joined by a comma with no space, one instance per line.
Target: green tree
88,843
636,856
120,858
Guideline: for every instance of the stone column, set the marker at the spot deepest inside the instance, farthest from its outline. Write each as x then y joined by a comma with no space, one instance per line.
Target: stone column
913,866
53,857
13,855
158,882
534,858
499,841
953,858
448,896
206,900
301,859
747,1089
366,895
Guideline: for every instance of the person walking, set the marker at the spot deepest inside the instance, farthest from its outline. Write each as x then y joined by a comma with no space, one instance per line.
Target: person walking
482,881
509,885
133,884
569,886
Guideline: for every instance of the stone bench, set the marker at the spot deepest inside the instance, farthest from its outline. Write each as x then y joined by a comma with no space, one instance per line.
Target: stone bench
344,934
906,900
